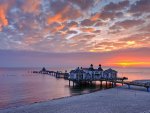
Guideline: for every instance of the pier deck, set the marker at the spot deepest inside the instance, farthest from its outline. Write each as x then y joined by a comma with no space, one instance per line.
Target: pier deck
57,74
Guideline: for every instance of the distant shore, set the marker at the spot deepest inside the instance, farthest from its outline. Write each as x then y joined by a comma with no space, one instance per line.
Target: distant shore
115,100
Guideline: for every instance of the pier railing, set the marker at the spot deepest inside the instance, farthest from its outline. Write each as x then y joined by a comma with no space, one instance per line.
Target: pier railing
57,74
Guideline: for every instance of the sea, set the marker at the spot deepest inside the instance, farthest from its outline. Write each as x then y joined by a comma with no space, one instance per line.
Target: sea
19,86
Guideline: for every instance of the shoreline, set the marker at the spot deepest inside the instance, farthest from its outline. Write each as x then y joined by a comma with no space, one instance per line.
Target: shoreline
114,98
56,98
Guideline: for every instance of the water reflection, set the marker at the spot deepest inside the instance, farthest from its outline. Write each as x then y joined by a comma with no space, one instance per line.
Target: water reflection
21,87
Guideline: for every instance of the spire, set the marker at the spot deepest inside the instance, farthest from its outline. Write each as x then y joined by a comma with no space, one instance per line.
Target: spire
91,66
100,68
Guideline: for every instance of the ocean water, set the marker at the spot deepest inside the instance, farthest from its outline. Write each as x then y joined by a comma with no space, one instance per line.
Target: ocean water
19,86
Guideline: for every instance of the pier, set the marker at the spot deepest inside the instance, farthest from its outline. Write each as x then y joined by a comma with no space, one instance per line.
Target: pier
113,82
57,74
107,81
89,75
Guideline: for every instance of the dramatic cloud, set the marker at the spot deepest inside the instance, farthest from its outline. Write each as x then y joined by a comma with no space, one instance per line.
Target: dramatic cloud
31,6
63,11
137,40
140,6
129,23
87,22
83,4
145,28
110,15
87,29
74,25
119,6
3,18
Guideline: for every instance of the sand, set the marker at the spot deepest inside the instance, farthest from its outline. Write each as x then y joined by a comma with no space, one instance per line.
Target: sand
115,100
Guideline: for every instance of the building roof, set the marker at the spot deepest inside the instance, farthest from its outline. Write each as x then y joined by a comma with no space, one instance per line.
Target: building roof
89,69
100,69
110,70
77,71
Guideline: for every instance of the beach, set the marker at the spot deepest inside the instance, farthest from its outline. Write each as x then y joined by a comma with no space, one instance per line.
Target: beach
114,100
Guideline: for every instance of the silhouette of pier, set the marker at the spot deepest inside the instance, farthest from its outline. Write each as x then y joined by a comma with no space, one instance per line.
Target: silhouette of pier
79,80
57,74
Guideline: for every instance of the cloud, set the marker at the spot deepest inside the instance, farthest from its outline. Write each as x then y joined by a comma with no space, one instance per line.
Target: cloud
129,23
140,6
72,32
137,40
72,25
145,28
31,6
56,27
110,15
83,36
95,17
31,40
99,23
87,29
97,31
116,6
87,22
3,15
115,29
63,11
83,4
137,37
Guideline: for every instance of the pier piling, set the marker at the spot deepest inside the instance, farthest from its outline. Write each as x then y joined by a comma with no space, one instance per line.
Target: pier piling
69,82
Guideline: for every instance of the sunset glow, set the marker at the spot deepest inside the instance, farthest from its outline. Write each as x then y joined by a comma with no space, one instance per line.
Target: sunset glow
78,26
128,64
81,45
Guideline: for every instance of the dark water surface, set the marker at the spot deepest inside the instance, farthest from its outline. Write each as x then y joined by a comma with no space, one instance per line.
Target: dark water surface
18,86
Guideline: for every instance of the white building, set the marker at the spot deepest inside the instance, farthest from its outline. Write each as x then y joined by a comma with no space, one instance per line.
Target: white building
110,74
92,74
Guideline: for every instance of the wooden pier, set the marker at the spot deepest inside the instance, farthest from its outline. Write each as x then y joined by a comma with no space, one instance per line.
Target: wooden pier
57,74
79,80
113,82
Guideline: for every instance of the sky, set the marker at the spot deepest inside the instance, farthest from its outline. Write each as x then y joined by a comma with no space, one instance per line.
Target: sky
67,30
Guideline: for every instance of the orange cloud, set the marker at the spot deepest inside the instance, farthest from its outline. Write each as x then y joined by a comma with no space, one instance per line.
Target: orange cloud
31,6
64,15
3,18
87,29
95,17
57,28
73,26
59,16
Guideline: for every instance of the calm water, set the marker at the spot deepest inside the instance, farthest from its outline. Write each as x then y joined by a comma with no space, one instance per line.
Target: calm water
20,87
